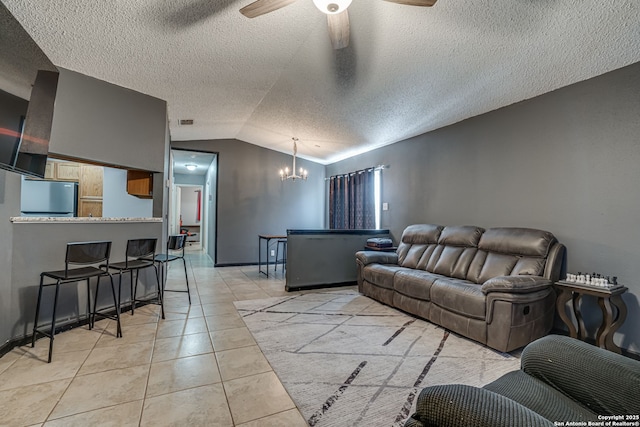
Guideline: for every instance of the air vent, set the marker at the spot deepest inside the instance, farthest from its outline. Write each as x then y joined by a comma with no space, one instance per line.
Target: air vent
186,122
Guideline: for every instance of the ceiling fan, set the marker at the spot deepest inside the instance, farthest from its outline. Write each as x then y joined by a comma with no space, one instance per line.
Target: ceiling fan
336,10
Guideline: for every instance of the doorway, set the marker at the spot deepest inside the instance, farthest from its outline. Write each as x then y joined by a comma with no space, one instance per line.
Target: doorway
190,214
193,196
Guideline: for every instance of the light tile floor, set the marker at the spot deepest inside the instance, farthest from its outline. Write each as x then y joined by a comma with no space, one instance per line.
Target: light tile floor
198,367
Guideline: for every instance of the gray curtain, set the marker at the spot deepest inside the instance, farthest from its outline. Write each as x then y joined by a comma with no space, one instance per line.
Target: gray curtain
352,201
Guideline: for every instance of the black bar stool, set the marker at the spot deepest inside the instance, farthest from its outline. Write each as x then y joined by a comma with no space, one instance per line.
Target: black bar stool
139,255
78,253
174,243
280,242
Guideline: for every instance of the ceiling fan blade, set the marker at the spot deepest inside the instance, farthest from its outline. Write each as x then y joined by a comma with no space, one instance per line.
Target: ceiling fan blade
425,3
260,7
339,29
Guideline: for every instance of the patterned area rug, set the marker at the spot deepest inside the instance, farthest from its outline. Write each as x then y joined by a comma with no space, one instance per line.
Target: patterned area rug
347,360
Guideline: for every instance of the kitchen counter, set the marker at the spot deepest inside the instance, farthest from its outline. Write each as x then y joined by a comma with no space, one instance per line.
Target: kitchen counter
324,258
39,244
78,220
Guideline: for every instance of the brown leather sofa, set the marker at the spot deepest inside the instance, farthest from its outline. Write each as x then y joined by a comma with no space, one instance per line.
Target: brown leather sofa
493,286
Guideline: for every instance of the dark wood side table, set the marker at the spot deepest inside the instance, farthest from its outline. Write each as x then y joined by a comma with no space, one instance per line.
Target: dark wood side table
268,238
608,299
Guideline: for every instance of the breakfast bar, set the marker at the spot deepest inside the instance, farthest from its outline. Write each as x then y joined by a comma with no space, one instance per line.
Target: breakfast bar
323,258
39,245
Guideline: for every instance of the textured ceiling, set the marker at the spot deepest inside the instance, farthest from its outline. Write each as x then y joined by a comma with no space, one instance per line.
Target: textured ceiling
20,57
408,70
182,158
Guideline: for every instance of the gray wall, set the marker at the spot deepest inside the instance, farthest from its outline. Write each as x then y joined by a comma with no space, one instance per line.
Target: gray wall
98,121
161,184
182,178
252,200
41,247
117,203
567,161
9,206
210,191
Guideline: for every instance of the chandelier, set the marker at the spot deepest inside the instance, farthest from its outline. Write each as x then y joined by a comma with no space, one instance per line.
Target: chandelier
284,173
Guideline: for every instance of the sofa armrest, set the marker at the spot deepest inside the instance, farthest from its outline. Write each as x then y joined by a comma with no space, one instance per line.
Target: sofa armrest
375,257
461,405
605,382
515,284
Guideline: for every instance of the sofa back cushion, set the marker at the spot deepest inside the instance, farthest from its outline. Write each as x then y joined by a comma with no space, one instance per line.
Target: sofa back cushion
517,241
455,250
510,251
474,254
416,240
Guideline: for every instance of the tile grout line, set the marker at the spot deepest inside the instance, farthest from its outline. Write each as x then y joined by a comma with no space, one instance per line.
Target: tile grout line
153,349
200,281
209,331
195,282
215,356
76,374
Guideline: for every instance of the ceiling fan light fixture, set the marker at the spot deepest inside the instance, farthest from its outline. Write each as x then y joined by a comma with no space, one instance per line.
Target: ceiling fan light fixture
332,7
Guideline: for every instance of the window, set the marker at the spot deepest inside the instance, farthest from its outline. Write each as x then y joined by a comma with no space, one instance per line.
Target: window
354,200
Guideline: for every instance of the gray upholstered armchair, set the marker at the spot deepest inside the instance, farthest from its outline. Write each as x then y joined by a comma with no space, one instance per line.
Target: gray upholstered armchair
560,380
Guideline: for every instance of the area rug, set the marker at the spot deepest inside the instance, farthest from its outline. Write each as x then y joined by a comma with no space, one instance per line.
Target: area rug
347,360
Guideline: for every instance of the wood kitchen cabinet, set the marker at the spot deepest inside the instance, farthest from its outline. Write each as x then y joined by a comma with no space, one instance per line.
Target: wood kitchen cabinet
62,171
49,170
90,190
67,171
88,207
140,184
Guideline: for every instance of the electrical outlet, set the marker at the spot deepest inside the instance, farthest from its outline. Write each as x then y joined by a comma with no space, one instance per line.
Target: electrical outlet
273,253
385,206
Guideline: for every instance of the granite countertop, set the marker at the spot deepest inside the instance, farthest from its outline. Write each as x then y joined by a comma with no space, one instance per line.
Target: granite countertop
77,220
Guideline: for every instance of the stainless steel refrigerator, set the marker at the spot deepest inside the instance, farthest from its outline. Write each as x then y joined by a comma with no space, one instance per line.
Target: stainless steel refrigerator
49,198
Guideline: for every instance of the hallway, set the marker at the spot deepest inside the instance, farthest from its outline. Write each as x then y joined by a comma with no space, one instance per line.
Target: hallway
198,367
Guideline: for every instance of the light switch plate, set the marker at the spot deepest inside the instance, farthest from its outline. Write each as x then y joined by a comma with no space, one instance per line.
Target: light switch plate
385,206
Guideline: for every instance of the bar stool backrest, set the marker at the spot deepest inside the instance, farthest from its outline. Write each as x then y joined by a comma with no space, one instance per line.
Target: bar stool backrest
141,248
176,243
85,253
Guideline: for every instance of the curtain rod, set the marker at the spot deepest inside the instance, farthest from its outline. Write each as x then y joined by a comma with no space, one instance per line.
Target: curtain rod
378,167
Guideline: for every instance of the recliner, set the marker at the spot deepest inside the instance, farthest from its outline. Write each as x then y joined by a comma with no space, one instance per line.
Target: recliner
561,379
493,286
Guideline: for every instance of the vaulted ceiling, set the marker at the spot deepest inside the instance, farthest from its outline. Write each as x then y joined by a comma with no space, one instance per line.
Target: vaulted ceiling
407,70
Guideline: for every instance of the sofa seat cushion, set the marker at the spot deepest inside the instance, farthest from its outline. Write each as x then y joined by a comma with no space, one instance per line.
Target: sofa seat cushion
415,283
381,274
459,296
